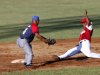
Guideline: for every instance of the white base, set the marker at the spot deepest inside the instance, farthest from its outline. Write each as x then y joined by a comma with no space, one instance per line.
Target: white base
18,61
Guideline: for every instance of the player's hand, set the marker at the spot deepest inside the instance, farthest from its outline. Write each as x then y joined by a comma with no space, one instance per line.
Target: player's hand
86,13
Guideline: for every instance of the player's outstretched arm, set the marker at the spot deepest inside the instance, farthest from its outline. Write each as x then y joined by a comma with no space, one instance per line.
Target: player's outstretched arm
41,38
86,15
45,40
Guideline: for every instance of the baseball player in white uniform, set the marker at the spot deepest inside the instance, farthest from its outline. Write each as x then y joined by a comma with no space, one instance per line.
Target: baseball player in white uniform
84,43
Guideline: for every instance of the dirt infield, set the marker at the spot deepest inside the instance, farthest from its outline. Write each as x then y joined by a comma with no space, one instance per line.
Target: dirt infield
44,53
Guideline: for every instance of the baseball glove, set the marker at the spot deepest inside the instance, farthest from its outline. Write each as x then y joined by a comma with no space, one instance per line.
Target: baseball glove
51,41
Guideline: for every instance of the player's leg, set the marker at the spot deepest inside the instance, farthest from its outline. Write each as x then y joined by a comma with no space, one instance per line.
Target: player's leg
21,42
86,50
27,49
28,53
70,52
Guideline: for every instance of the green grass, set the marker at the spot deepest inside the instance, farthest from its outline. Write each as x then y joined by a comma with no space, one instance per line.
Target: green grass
64,71
59,18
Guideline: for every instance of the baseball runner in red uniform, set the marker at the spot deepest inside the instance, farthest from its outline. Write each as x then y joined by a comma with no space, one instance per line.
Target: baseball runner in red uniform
26,38
84,43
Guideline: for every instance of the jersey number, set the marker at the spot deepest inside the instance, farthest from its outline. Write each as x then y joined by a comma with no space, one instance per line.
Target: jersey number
26,29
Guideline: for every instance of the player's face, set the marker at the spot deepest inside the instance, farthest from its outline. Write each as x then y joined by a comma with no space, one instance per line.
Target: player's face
36,22
84,24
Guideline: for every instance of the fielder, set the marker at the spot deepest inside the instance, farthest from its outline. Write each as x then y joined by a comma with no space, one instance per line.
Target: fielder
85,40
26,38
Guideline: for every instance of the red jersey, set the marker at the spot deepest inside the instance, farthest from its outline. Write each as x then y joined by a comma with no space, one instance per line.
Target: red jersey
87,32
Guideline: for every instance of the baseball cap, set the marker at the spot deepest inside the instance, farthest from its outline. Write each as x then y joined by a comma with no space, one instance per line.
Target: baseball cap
84,20
35,18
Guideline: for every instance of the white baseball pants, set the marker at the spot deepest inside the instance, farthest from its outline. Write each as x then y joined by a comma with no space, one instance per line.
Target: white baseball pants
83,47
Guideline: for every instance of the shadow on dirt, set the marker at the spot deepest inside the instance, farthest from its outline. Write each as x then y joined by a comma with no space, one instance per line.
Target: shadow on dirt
54,61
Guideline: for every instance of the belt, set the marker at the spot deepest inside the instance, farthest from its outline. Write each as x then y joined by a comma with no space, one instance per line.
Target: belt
22,38
82,40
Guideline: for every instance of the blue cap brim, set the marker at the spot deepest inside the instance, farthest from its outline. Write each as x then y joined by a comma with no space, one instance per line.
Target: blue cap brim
35,18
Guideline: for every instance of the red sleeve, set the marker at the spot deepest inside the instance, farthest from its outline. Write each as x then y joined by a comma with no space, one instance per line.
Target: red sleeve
35,29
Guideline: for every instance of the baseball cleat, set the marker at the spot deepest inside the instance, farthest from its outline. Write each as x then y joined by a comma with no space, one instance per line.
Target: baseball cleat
28,65
24,63
56,58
